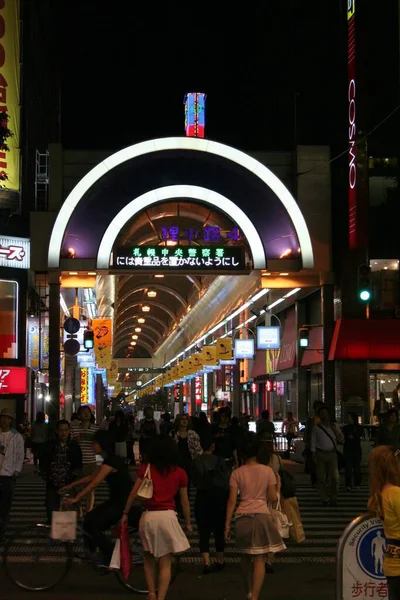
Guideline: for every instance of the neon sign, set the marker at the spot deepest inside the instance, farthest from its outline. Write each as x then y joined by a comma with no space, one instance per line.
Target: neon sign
195,114
208,234
352,128
13,380
197,258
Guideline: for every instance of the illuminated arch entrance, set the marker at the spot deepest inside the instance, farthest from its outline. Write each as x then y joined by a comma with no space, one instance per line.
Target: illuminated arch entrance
267,218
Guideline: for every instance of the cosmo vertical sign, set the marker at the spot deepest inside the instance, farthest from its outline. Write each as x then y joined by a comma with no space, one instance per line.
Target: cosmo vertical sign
352,126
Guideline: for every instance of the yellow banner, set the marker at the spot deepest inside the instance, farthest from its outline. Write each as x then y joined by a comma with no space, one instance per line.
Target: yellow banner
351,8
198,362
103,342
10,90
224,349
112,372
84,386
210,356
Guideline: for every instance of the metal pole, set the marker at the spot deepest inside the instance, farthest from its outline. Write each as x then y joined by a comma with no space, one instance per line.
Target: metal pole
54,344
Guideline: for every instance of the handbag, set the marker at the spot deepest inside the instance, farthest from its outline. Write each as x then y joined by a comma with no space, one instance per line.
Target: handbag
146,487
115,562
340,458
63,525
291,509
280,520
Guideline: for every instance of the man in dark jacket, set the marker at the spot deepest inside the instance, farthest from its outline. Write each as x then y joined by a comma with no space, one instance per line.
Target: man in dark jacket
61,464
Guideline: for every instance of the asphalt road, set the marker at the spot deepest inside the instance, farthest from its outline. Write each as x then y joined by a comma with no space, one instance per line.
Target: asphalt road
289,582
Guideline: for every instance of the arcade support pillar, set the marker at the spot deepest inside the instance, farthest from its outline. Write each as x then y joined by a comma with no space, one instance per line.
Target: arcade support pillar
54,344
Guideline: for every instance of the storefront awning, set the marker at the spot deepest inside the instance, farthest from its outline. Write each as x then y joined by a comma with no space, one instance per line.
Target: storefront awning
287,356
366,339
314,353
259,364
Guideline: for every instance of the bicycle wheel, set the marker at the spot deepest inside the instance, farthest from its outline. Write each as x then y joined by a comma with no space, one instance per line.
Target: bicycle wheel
34,561
136,582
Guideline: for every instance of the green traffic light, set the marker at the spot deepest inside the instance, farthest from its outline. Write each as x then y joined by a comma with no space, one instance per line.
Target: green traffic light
365,295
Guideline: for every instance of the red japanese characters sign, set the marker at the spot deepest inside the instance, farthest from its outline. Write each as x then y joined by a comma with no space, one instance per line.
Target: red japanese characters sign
13,380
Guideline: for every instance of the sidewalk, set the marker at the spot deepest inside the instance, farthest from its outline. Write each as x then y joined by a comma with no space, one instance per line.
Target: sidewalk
289,582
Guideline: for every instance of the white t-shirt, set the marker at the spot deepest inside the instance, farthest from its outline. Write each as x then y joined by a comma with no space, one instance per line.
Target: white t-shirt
4,441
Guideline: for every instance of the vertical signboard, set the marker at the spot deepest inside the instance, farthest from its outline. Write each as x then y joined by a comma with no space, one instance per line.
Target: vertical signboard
352,123
84,386
103,342
9,291
10,89
195,114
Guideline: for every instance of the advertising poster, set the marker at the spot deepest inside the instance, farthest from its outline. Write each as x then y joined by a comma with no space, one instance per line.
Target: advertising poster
103,342
10,90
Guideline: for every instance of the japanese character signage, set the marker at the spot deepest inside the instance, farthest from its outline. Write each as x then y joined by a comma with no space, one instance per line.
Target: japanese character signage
208,234
84,386
14,252
13,380
191,258
361,552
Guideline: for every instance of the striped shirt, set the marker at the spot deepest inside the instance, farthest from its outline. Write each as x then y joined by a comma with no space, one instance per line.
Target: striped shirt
84,437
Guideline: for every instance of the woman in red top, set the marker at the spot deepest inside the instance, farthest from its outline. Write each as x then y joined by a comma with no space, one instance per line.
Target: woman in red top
160,532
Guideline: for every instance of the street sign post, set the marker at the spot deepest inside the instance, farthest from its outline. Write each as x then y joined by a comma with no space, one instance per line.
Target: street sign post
360,560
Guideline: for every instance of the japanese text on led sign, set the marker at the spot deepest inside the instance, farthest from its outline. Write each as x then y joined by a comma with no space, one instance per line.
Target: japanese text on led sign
207,234
198,258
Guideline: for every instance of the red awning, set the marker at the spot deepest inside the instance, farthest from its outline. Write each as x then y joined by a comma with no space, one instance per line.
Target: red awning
366,339
259,364
287,356
314,353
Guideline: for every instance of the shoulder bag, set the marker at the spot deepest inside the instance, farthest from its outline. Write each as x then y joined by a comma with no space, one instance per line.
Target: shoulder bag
340,458
146,487
280,520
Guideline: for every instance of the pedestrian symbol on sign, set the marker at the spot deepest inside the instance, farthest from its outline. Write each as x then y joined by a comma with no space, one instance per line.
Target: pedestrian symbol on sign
370,551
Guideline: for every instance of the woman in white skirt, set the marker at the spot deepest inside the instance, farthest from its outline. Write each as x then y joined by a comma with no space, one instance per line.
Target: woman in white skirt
160,532
256,534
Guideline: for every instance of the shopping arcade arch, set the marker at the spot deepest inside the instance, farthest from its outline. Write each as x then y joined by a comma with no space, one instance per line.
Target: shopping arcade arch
210,174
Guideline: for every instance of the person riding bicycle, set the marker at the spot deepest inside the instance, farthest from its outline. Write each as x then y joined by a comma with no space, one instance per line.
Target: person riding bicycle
115,472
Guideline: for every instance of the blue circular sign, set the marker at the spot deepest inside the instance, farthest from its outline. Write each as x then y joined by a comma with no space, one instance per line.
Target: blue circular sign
370,552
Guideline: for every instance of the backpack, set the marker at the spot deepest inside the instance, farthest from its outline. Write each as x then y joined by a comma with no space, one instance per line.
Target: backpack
217,480
148,428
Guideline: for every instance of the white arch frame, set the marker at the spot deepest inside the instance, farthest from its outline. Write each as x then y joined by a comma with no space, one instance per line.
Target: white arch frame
181,143
181,191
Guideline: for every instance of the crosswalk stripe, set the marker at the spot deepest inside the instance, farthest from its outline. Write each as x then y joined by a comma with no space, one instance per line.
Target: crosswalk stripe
322,525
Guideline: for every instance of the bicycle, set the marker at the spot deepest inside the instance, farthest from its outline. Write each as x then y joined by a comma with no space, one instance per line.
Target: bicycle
34,545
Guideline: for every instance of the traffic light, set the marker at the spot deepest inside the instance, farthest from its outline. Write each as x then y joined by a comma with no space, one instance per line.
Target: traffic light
88,339
364,283
303,337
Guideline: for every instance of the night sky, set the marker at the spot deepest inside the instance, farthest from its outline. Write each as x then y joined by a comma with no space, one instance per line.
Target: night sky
125,70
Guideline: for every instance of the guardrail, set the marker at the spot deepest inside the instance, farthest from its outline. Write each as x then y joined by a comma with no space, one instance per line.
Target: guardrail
359,560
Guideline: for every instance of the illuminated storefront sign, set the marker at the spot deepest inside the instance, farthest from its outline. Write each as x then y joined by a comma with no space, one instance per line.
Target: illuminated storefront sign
38,344
13,380
244,348
198,391
195,114
84,386
352,127
9,293
198,258
10,89
14,252
268,338
207,234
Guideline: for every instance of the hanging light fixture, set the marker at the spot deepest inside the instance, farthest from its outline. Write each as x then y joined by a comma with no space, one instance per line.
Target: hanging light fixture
141,320
135,337
138,329
133,343
151,294
146,308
